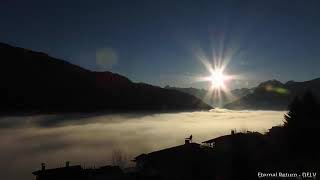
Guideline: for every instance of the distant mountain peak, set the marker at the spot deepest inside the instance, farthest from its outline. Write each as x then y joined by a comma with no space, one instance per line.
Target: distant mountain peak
274,95
271,82
290,82
207,96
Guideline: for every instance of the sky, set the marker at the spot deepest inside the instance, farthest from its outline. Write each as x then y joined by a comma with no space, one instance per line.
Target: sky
157,42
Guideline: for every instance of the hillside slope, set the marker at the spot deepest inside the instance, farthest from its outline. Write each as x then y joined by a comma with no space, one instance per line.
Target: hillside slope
35,82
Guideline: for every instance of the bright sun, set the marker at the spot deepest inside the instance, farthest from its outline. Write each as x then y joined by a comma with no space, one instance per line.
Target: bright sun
217,79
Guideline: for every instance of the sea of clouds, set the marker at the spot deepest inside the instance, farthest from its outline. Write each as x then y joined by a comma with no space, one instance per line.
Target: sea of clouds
91,139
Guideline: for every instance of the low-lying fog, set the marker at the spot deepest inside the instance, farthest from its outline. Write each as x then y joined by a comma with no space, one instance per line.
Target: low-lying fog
26,142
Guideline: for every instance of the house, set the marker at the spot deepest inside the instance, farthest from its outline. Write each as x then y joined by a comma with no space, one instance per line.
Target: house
237,154
64,173
187,161
78,173
105,172
228,142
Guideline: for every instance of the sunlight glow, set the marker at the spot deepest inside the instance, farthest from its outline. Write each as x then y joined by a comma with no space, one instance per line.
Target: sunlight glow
219,83
216,57
218,78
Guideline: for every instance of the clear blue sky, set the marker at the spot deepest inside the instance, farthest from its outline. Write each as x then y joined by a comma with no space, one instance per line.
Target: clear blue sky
154,41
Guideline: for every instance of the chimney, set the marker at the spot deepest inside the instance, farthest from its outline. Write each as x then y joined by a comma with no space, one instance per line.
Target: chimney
67,163
43,166
233,132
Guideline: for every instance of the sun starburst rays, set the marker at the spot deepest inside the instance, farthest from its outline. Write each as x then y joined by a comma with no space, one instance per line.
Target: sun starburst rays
219,80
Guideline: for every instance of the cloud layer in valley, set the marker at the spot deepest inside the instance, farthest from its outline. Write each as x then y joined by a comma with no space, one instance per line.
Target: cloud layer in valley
89,140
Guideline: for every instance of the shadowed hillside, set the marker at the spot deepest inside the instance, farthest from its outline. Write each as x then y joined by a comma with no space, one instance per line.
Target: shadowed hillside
35,82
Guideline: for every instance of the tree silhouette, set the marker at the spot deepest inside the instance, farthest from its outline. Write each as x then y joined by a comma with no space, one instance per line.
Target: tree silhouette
291,119
303,113
302,122
119,158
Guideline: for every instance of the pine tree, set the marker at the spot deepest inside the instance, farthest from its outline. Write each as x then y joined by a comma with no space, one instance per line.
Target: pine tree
302,122
303,113
291,119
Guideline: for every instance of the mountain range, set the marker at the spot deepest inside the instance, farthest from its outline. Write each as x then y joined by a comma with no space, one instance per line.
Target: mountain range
35,82
274,95
268,95
208,98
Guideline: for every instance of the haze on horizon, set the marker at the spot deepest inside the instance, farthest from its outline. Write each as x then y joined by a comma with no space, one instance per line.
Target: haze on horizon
157,42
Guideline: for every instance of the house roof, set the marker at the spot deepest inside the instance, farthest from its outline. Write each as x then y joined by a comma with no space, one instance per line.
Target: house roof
181,150
141,156
70,169
177,148
226,138
216,139
109,170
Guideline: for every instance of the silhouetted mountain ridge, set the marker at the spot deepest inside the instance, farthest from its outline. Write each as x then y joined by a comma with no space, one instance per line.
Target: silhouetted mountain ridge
274,95
35,82
208,97
270,83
